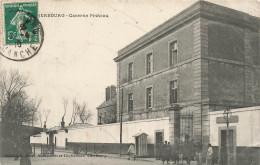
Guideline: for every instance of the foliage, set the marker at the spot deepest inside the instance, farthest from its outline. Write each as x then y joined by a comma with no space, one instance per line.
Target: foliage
16,107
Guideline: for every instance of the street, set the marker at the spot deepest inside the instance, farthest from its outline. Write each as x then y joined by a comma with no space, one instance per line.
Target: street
77,161
66,157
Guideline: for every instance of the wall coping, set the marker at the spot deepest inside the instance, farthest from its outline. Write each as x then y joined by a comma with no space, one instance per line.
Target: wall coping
247,109
128,122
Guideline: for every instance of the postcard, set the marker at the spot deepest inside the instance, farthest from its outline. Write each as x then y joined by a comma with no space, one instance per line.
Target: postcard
129,82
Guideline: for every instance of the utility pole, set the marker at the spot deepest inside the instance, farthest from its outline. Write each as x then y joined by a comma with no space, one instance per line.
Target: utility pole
121,116
227,115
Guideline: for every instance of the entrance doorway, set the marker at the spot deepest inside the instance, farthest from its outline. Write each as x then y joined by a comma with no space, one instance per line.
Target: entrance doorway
141,144
51,138
158,138
137,146
223,147
159,135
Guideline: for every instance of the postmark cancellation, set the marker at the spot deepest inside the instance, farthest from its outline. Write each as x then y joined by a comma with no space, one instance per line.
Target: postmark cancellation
21,32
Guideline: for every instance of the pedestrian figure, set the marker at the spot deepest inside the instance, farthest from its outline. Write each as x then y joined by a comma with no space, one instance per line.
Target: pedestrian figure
16,150
223,155
175,155
209,155
168,152
189,151
131,151
25,155
180,154
164,151
25,160
198,148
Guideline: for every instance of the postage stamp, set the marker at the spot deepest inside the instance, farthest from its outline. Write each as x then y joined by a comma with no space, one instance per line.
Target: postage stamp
23,32
20,26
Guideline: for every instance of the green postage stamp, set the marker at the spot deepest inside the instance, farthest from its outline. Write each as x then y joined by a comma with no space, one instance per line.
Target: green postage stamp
21,23
21,33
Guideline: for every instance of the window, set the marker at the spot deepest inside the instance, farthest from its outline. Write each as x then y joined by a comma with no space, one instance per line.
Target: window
173,91
149,97
173,53
130,102
130,71
149,63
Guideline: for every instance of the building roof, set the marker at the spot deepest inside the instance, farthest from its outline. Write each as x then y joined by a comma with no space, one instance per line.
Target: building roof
139,133
73,126
37,135
198,9
108,103
78,125
55,128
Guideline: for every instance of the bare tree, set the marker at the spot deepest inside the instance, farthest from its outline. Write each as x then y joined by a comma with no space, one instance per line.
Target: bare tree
80,113
75,107
46,115
19,110
13,98
40,118
84,113
35,106
65,104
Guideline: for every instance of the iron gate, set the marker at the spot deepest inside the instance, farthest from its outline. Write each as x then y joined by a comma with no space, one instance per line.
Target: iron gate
47,149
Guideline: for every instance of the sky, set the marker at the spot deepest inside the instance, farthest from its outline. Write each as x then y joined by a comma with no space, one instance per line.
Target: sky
76,59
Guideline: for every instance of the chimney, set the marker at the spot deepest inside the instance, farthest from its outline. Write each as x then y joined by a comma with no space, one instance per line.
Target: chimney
44,126
62,123
108,93
113,91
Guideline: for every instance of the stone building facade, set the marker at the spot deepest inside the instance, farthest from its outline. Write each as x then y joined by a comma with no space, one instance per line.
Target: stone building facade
107,110
202,59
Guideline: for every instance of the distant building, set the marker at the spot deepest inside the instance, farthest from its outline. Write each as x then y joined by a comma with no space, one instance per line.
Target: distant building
107,110
202,59
58,135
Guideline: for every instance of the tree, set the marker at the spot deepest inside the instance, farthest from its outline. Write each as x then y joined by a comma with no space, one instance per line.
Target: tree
19,110
80,113
15,104
46,115
75,107
84,113
16,109
40,118
35,106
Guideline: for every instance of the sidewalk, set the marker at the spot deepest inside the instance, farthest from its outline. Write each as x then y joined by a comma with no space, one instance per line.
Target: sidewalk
146,159
123,156
137,159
